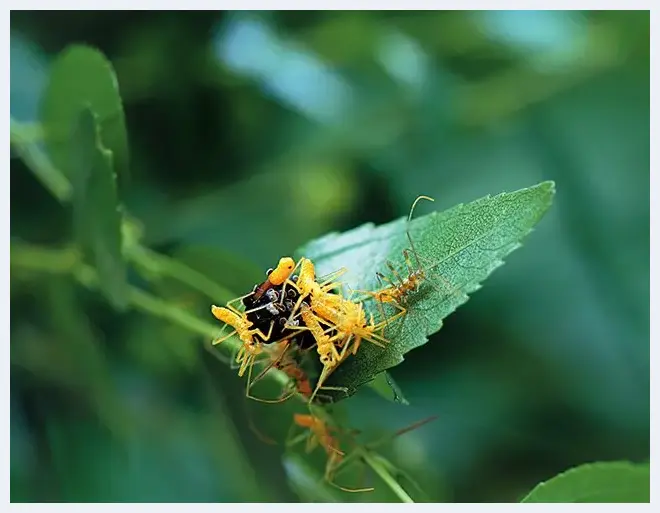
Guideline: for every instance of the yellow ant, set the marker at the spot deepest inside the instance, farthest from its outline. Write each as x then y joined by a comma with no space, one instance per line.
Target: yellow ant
351,329
307,286
299,380
240,323
397,293
345,315
319,434
242,327
276,276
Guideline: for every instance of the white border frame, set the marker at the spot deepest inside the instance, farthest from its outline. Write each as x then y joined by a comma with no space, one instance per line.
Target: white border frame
352,5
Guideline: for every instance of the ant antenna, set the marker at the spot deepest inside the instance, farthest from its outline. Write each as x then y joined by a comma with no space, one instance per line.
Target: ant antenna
412,209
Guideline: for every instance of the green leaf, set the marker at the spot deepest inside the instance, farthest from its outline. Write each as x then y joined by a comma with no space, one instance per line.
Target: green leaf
385,386
80,76
459,248
96,217
618,481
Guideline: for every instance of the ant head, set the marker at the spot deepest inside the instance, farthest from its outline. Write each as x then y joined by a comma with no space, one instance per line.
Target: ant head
286,264
282,271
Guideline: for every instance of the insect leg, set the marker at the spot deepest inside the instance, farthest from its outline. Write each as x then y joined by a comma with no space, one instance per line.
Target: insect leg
289,282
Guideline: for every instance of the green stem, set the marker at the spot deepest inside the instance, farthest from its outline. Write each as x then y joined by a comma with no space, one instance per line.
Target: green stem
386,476
170,267
22,141
66,261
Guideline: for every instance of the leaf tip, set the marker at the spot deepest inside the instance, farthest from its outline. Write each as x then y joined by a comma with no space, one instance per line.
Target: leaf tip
549,188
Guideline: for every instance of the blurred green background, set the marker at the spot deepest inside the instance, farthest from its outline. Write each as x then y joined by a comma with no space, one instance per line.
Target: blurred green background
251,133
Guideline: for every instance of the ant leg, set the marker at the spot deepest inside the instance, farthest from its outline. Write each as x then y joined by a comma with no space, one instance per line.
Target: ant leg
376,339
351,490
395,273
356,345
209,346
284,397
340,340
215,311
389,282
271,364
251,310
449,288
377,295
387,321
307,276
289,282
258,332
381,277
330,472
295,308
369,336
384,324
347,345
327,278
281,399
222,338
326,281
249,383
230,303
327,370
331,482
247,362
301,296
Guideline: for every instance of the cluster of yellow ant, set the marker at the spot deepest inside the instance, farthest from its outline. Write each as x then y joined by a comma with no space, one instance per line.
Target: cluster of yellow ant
292,305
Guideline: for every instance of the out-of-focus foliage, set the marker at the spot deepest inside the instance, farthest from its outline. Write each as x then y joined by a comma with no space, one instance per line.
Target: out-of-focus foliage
252,133
600,482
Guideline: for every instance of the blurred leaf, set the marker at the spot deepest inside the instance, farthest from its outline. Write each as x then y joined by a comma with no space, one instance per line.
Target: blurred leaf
235,274
27,77
283,206
465,243
23,141
156,265
305,480
97,220
82,75
162,347
385,386
596,482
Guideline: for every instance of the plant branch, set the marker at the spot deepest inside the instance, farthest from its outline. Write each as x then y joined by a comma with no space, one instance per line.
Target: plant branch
67,261
23,142
170,267
385,475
